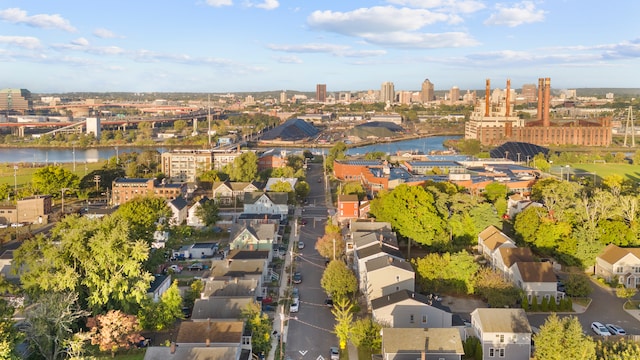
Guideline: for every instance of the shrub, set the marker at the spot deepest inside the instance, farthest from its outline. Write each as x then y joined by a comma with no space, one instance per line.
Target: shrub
525,303
553,306
534,304
544,306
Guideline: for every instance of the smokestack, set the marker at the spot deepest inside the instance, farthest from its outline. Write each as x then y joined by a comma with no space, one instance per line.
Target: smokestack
540,97
487,99
547,101
507,99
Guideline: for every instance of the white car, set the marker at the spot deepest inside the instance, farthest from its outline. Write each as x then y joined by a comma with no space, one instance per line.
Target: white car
599,329
300,245
294,307
295,294
335,353
615,329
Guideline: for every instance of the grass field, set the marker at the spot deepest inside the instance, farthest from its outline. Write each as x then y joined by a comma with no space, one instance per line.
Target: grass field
602,170
24,172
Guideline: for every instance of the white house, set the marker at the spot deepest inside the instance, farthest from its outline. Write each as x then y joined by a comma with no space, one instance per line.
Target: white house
179,210
386,275
407,309
427,344
504,333
159,286
267,203
535,279
490,240
621,264
193,219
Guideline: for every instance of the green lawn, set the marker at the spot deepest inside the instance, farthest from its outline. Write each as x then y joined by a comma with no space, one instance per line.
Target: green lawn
25,172
599,171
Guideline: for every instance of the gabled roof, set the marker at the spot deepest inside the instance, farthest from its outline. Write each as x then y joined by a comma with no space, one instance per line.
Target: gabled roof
237,268
495,238
512,255
278,198
372,250
415,340
387,262
613,253
362,239
220,307
400,296
536,271
198,332
235,185
497,320
230,287
179,203
158,280
348,198
488,231
368,225
248,254
191,352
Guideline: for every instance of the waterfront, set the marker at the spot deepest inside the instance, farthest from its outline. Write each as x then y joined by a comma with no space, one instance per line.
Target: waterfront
57,155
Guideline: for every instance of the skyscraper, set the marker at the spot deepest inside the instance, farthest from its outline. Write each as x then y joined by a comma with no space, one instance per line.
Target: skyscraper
454,94
321,93
283,97
387,92
427,94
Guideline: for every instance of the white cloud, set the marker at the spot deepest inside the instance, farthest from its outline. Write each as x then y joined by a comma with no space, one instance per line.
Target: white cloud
26,42
461,6
522,13
291,59
80,42
268,4
219,3
423,40
336,50
45,21
104,33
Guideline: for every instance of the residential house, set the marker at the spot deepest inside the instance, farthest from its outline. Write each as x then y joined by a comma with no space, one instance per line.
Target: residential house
517,203
219,308
348,207
192,218
197,251
183,352
243,269
6,259
407,309
235,287
504,333
506,257
386,275
490,240
253,236
361,256
159,286
535,279
272,181
232,193
267,203
179,210
619,264
426,344
160,239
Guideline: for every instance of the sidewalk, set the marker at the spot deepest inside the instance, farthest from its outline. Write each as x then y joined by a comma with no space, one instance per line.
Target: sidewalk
279,329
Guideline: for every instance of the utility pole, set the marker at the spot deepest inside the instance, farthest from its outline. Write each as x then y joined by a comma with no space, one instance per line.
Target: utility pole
209,119
62,207
15,181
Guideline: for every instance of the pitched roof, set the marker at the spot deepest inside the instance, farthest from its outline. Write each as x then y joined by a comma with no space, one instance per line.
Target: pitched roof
348,198
237,268
415,340
488,231
363,239
389,262
372,250
158,280
397,297
497,320
191,352
368,225
278,198
179,203
220,307
239,254
494,238
536,271
198,332
229,287
613,253
512,255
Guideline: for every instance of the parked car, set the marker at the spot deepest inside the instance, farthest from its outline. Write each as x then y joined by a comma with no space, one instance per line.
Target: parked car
295,294
300,245
599,329
294,307
615,329
335,353
196,266
297,277
177,269
302,222
328,302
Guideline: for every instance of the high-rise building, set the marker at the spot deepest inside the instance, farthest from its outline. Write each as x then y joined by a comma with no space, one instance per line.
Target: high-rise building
15,99
387,92
321,93
427,93
529,92
283,97
454,94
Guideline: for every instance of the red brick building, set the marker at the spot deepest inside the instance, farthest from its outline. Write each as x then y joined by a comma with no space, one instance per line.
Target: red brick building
125,189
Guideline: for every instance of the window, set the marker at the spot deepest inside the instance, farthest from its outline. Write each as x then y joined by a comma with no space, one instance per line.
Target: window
424,319
502,338
619,270
636,269
492,352
501,353
411,318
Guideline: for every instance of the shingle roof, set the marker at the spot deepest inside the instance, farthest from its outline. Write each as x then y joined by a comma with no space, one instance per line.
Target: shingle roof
397,297
236,268
279,198
183,352
248,254
229,287
387,261
495,240
219,307
613,253
179,203
496,320
198,332
512,255
536,271
372,250
412,340
368,225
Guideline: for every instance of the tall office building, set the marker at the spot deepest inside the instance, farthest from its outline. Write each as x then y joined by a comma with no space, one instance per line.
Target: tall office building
387,92
321,93
16,100
454,94
427,93
283,97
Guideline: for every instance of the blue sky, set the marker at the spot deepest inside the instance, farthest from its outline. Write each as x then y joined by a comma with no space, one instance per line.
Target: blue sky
257,45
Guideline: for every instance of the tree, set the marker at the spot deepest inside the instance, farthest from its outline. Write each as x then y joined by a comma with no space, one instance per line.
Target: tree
344,319
331,245
620,349
244,167
158,316
354,187
625,293
577,285
207,212
365,333
302,189
193,293
9,335
281,186
51,179
491,286
495,191
338,280
561,339
143,214
259,325
453,272
5,191
51,322
113,331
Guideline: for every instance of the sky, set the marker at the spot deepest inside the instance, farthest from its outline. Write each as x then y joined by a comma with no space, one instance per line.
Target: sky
218,46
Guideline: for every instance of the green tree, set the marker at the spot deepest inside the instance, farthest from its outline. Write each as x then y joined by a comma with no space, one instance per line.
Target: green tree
244,167
161,315
375,155
143,214
342,311
51,323
354,187
5,191
302,189
619,349
337,152
9,335
195,289
490,285
207,212
577,285
51,179
338,280
281,186
179,125
452,272
259,325
495,191
365,333
625,293
561,339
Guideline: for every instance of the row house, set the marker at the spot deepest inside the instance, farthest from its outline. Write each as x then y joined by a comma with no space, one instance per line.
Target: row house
350,207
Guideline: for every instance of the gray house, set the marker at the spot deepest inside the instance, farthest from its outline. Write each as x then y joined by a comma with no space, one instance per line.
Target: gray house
386,275
504,333
406,309
427,344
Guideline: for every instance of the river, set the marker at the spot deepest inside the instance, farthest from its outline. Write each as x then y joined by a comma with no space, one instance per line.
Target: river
53,155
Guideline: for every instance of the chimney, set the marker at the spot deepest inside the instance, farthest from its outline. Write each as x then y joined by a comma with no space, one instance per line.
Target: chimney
540,97
172,349
423,356
229,262
487,98
507,99
547,101
207,342
389,259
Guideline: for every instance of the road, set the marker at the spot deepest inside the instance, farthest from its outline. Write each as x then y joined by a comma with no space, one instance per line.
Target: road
310,336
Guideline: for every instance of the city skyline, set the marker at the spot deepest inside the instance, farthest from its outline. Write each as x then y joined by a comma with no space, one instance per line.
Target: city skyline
266,45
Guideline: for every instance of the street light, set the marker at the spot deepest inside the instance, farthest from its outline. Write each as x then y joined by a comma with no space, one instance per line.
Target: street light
15,181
